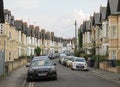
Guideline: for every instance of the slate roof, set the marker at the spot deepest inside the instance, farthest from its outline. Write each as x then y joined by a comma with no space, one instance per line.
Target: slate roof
6,11
32,30
92,21
103,13
52,36
119,5
2,20
88,26
97,18
28,32
18,24
81,29
43,33
84,26
113,6
12,17
36,31
48,35
24,29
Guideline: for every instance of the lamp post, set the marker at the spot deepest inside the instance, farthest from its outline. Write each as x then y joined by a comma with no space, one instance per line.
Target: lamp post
75,35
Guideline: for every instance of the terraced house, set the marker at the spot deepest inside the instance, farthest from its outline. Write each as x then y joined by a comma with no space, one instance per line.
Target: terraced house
114,28
101,33
18,39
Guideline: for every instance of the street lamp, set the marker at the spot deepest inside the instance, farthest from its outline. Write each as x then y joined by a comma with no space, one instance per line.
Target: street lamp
75,35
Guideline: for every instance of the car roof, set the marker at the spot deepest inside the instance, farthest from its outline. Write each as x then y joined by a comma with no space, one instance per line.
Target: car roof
41,58
62,54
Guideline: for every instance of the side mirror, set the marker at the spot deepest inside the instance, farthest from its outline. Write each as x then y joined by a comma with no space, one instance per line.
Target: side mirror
28,65
55,64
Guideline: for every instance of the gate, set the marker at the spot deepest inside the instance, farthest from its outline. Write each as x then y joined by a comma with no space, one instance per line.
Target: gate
2,63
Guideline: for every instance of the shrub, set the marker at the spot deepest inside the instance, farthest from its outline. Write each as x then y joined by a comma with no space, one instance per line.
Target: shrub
37,51
117,63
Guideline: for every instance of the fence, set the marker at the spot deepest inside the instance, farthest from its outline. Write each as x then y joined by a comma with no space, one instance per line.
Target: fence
2,63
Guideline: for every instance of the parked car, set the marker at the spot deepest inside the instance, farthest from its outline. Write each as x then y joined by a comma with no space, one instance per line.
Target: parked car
41,68
65,60
79,63
40,57
69,61
61,58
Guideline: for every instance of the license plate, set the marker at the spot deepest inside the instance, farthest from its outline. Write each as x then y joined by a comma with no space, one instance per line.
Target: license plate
42,74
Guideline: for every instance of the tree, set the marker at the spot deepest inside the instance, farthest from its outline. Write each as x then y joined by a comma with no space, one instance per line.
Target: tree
38,51
80,39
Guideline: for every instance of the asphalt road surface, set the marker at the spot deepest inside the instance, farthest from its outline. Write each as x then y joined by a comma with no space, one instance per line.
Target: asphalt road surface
66,78
70,78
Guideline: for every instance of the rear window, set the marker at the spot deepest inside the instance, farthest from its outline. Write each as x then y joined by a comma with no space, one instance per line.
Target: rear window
80,60
41,63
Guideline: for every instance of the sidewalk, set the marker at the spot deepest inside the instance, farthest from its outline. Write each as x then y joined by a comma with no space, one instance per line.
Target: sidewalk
16,79
115,77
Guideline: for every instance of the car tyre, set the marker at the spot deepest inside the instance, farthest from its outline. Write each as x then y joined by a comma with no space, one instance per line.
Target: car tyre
28,79
55,78
72,69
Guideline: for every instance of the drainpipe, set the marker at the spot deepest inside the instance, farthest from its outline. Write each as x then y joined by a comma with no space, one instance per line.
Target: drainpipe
117,37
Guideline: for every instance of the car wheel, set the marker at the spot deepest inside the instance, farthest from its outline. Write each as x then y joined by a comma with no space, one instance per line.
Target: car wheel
55,78
28,79
72,68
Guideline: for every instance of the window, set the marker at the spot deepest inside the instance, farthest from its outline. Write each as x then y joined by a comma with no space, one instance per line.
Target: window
113,32
9,55
107,30
114,55
1,29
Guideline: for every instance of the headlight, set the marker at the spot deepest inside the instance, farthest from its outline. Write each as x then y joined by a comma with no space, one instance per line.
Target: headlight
74,64
52,69
31,70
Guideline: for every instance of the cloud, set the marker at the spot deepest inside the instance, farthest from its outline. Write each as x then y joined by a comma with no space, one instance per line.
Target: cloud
63,26
80,16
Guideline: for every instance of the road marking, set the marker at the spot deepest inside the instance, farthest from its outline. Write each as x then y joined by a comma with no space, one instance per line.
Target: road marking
23,85
31,84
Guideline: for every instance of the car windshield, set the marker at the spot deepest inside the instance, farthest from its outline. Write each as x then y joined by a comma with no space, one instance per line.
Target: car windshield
41,63
80,60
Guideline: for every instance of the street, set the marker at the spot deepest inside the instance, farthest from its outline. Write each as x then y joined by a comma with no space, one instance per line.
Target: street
66,78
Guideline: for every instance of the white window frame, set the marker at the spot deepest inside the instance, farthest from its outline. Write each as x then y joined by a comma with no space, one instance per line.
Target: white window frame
113,32
114,55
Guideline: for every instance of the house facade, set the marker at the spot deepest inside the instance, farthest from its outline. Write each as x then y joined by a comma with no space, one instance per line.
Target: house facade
102,30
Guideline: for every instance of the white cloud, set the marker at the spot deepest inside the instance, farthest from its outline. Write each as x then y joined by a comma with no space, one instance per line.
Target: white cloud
62,26
80,16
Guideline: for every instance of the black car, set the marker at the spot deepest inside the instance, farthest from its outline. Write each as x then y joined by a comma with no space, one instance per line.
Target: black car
41,69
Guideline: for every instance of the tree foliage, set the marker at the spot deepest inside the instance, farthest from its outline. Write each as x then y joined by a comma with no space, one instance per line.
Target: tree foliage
38,51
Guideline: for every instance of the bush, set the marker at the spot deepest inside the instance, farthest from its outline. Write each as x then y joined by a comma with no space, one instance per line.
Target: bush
101,58
22,56
117,63
37,51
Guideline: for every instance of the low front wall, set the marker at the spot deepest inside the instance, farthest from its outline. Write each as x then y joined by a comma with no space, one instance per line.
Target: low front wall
12,65
104,65
107,67
114,69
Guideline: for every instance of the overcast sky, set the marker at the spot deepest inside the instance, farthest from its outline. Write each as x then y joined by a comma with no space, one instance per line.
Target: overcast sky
54,15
